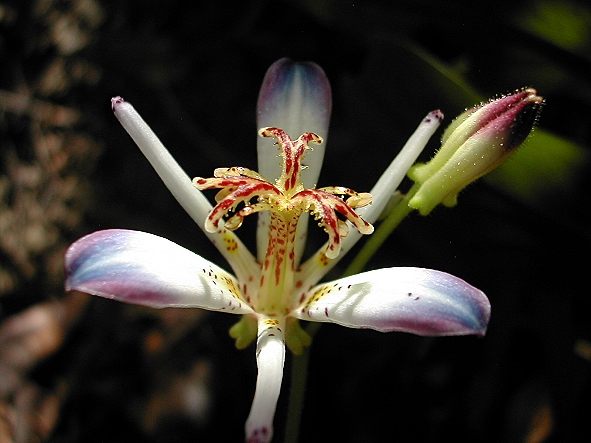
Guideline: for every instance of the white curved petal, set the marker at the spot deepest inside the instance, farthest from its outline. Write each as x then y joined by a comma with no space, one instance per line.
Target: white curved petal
173,176
270,360
381,193
144,269
389,181
295,97
415,300
181,187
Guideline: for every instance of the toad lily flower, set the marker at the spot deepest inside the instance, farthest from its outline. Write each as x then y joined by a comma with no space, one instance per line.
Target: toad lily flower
275,291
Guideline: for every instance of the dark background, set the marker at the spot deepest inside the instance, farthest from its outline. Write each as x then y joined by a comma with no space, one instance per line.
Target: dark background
76,369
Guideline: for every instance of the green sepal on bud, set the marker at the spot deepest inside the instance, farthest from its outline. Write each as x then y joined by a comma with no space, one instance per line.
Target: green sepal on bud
475,143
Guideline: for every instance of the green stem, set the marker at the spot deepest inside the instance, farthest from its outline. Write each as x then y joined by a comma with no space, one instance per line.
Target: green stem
297,388
399,213
299,369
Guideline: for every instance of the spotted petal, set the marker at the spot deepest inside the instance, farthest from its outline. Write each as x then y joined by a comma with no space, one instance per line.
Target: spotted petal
415,300
144,269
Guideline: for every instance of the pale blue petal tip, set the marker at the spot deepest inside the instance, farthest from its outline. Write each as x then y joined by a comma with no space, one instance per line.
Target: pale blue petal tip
285,76
96,264
413,300
449,306
461,305
82,256
92,266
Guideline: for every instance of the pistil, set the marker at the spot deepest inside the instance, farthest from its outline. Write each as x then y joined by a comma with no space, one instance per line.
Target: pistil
278,269
286,200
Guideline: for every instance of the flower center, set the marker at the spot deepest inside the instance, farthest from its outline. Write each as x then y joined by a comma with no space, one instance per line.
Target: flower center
286,200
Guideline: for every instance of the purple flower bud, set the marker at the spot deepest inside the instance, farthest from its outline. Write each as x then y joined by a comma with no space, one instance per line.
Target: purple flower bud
475,143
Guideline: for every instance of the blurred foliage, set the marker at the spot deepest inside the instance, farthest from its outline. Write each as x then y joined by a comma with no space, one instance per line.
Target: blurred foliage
547,168
193,70
565,23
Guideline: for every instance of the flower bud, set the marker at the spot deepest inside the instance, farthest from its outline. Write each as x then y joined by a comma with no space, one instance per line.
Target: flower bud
475,143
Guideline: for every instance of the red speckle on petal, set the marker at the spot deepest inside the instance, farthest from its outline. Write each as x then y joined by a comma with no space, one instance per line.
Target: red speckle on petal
258,435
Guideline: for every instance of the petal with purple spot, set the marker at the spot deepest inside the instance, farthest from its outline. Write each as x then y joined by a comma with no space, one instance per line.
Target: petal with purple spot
415,300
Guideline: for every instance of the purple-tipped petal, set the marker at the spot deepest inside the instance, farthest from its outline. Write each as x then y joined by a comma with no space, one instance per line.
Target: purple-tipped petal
144,269
181,187
295,97
415,300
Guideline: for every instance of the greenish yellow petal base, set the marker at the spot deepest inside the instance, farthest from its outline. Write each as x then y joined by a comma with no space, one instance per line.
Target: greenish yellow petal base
295,337
245,331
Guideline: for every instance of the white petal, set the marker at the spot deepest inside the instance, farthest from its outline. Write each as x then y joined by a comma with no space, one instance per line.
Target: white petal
311,273
388,183
415,300
173,176
295,97
180,185
144,269
270,360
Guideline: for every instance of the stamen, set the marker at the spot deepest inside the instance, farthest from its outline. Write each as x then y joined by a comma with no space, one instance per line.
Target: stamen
287,197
